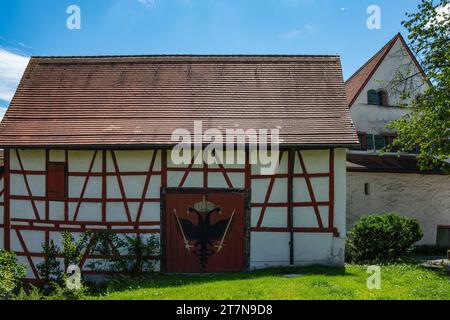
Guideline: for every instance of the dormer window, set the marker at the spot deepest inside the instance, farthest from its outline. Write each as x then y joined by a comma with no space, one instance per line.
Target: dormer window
378,98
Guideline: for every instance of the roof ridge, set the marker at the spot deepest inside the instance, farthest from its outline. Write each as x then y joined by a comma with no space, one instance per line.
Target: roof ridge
191,56
375,55
370,67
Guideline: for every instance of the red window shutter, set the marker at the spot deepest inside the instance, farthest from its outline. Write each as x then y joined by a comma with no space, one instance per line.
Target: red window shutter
56,181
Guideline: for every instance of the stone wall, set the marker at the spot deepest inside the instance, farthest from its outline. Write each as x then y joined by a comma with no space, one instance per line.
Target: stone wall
424,197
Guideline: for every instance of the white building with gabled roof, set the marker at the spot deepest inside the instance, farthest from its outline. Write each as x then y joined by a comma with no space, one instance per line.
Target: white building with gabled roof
389,182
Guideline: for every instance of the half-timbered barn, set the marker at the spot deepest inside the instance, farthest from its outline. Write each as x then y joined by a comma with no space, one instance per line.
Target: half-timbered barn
88,146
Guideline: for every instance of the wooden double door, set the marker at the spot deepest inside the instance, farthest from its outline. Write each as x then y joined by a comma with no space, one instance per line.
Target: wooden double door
204,230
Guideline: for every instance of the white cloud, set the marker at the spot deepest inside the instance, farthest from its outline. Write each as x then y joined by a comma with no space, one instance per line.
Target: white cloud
12,67
442,14
147,2
307,29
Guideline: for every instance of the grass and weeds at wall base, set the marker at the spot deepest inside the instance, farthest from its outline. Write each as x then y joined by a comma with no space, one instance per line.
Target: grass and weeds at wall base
398,282
401,281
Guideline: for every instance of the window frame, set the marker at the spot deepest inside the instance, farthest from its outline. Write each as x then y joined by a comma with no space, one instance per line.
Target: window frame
372,93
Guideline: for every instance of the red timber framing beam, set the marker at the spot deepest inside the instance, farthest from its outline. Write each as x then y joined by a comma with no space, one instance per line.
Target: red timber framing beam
49,225
121,188
27,254
331,193
83,189
146,184
291,204
104,186
268,194
6,213
66,203
139,227
205,170
310,190
27,186
190,169
290,195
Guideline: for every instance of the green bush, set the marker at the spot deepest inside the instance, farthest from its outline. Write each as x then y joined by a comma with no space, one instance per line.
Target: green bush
31,293
126,255
72,249
62,292
58,291
12,274
382,238
50,269
138,252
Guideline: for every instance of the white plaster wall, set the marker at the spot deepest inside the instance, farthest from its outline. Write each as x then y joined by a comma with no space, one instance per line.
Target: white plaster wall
340,201
373,119
423,197
267,248
79,161
272,249
32,159
215,179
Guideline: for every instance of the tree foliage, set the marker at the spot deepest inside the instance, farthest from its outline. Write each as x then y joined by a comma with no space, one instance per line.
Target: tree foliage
12,274
426,126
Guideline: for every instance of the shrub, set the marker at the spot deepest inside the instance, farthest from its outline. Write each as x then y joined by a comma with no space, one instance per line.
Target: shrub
104,243
32,293
138,253
12,274
72,249
62,292
50,269
383,238
126,255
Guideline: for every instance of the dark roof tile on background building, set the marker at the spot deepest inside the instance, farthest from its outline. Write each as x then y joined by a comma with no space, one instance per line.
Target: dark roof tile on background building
385,163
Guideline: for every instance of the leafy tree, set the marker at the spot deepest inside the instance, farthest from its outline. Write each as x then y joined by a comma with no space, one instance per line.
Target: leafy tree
426,126
12,274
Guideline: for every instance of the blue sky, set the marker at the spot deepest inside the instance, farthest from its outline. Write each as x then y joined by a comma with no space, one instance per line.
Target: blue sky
193,27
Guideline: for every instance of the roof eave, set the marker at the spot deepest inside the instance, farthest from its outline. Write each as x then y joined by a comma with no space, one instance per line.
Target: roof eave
162,146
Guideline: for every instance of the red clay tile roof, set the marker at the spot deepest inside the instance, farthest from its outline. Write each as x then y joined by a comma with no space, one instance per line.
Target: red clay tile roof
134,101
360,78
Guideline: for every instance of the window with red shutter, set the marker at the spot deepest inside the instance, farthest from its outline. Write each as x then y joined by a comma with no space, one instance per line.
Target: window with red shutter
56,181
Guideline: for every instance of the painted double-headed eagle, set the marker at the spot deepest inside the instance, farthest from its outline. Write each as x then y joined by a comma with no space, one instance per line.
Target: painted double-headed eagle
204,234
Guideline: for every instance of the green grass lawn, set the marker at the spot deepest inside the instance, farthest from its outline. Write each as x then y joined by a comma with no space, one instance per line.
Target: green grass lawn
397,282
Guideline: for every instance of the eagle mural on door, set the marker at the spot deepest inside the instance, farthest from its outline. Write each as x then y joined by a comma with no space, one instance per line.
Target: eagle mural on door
205,232
208,237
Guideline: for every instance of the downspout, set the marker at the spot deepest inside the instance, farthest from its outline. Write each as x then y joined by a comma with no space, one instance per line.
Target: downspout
291,162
